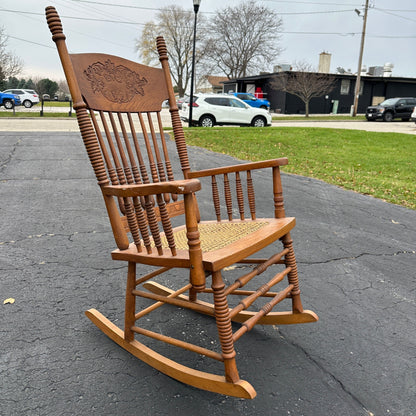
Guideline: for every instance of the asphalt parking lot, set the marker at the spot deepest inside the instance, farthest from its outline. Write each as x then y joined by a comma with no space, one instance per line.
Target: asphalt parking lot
357,261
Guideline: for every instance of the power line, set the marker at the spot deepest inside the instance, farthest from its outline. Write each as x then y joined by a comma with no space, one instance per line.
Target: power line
90,9
320,33
396,15
277,1
349,34
89,35
320,12
397,10
129,22
314,3
157,9
142,24
30,41
77,18
117,5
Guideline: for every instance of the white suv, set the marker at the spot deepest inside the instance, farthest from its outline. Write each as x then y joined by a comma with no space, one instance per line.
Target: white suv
211,109
27,97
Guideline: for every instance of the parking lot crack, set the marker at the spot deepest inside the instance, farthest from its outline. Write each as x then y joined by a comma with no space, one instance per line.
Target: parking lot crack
10,156
326,371
70,237
335,259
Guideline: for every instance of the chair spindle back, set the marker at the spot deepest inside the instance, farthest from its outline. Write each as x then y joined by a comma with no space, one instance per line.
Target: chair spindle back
118,105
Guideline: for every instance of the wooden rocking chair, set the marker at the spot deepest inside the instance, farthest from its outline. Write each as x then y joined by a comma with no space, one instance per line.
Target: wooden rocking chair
118,106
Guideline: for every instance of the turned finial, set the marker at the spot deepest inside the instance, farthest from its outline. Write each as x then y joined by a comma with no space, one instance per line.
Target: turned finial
54,23
161,48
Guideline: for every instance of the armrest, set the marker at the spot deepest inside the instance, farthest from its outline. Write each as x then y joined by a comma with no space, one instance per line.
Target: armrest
186,186
239,168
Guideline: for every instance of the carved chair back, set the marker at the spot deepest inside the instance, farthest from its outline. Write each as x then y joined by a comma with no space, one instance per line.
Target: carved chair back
118,106
124,101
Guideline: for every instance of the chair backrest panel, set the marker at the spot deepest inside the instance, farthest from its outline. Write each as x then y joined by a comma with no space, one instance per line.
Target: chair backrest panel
125,100
112,83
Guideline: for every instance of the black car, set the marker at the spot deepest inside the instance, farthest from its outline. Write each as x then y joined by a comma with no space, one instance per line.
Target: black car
391,109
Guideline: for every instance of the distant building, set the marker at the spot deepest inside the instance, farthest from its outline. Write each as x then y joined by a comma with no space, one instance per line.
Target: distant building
211,84
374,89
282,67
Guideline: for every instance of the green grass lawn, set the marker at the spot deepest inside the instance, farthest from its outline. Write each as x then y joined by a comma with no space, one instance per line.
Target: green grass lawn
54,104
378,164
36,109
328,117
24,114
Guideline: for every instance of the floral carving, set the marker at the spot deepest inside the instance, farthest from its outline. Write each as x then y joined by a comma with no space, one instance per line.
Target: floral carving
118,84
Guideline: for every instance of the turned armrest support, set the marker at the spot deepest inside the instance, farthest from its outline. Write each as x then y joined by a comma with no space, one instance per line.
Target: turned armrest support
238,168
225,198
186,186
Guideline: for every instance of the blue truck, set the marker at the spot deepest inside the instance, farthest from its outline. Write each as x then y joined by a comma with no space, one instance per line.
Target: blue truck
9,100
251,100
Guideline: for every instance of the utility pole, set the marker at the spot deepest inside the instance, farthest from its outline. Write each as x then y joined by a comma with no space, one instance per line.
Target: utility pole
360,61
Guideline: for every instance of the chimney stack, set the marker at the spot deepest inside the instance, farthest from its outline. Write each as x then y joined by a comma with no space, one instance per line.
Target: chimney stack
324,62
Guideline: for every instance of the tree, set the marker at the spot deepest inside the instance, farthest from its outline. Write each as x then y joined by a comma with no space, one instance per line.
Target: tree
12,82
304,83
3,84
10,64
243,39
176,25
30,85
46,86
63,93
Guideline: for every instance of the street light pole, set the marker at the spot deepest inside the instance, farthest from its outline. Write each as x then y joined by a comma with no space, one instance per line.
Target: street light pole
196,8
360,61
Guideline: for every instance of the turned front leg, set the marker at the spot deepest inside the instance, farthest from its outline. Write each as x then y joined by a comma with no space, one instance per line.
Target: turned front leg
290,261
225,333
130,310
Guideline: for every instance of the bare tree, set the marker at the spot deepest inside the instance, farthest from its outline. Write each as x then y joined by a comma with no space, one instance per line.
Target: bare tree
63,89
243,39
176,25
304,83
10,64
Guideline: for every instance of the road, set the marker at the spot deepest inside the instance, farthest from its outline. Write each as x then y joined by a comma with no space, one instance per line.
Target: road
66,124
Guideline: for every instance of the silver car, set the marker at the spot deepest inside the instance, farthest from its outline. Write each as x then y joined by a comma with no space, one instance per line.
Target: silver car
27,97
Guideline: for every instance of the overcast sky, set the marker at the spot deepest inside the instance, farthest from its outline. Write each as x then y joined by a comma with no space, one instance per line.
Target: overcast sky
309,28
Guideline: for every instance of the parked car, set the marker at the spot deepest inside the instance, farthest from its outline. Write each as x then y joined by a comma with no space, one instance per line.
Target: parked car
391,108
251,100
413,115
46,97
181,100
27,97
211,109
9,100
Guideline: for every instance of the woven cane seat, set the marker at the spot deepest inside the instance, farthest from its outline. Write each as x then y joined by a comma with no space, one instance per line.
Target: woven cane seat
222,242
217,235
